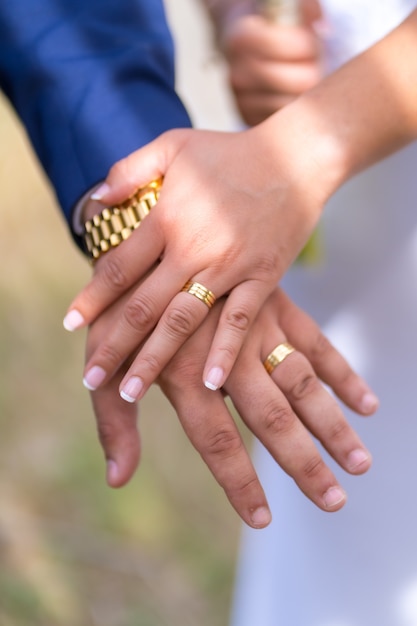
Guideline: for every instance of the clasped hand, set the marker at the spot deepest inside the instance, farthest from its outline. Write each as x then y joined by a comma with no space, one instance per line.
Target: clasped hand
234,211
284,411
234,230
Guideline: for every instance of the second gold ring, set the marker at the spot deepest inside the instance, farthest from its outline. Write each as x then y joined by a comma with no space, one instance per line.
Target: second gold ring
200,292
277,356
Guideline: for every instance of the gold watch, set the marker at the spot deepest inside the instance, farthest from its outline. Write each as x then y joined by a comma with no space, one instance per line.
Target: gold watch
115,224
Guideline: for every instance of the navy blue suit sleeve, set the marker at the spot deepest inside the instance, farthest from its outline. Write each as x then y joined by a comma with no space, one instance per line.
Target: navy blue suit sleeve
91,80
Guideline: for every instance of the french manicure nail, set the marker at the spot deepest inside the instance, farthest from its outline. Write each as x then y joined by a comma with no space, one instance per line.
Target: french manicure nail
261,517
132,389
214,378
334,496
73,320
100,192
94,378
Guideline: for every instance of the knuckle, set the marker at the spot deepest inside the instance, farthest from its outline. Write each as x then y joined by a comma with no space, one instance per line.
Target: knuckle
184,372
304,386
113,274
179,322
151,364
110,356
338,431
267,265
342,373
314,466
229,352
321,347
245,485
181,369
277,419
238,320
224,442
139,314
107,434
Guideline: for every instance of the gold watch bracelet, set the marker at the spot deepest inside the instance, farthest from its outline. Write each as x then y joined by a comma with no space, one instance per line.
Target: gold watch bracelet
115,224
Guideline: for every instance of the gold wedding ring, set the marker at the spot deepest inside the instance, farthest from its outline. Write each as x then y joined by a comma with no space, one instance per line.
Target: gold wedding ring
277,356
200,292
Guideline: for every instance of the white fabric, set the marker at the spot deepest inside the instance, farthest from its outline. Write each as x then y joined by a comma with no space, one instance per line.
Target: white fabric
357,567
356,24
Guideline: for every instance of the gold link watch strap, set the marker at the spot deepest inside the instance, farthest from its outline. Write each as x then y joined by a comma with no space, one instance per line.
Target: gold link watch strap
115,224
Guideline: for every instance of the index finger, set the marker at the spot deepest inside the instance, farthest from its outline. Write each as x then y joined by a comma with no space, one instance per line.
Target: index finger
115,272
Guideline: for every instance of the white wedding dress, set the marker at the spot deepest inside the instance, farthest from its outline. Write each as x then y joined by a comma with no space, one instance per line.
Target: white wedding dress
357,567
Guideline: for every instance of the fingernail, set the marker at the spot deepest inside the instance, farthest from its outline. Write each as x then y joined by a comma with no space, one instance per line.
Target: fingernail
369,402
94,377
261,517
132,389
214,378
334,496
100,192
112,471
73,320
357,458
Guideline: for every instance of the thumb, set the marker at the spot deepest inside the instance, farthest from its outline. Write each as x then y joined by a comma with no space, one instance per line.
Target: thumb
139,168
117,433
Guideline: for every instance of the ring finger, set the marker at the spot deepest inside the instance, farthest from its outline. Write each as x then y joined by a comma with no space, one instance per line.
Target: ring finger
318,409
270,417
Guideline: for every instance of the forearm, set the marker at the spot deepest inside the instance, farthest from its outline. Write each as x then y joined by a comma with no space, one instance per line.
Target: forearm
355,117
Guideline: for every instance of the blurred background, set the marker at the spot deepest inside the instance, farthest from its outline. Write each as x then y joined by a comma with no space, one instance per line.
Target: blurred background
159,552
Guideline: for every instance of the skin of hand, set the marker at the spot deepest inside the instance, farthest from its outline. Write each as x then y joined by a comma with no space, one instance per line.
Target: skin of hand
238,237
236,208
283,410
271,64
